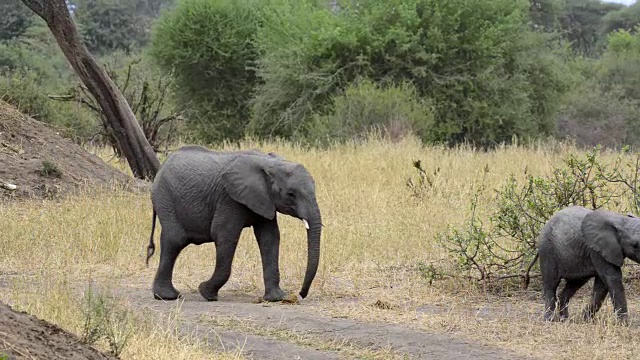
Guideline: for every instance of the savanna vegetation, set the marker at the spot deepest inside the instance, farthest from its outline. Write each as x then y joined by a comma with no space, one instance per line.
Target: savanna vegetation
392,255
441,133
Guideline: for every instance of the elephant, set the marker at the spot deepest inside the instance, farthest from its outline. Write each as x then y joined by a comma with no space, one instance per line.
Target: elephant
577,244
202,196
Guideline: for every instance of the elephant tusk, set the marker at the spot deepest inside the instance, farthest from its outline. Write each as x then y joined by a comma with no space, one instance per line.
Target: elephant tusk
306,224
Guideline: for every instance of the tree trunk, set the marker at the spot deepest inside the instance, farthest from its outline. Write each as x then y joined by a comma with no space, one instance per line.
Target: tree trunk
131,140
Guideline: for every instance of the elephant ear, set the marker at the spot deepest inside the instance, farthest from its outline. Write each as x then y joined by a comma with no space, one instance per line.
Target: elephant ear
246,181
601,235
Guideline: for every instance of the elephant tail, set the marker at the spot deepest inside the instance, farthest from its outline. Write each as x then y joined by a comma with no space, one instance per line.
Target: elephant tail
527,277
151,248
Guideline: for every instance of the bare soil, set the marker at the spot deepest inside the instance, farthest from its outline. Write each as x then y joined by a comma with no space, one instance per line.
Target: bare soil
43,164
23,336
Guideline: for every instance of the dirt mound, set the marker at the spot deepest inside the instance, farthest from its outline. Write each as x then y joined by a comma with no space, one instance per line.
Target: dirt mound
23,336
43,164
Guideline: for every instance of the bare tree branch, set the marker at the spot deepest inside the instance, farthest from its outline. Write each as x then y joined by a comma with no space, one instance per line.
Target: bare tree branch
120,119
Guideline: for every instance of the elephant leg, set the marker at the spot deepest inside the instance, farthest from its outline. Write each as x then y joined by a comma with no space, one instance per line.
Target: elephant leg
567,293
268,235
172,241
597,298
612,277
226,243
616,291
550,282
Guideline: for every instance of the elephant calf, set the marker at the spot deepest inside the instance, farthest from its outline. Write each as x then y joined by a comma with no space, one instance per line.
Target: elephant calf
203,196
577,244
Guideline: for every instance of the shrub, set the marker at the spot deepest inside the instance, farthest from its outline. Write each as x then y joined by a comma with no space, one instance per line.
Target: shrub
593,116
36,50
603,108
393,111
15,19
24,90
110,25
489,77
504,247
208,44
106,320
50,169
147,91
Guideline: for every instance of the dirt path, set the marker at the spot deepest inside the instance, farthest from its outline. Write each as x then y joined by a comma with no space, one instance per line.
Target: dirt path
276,331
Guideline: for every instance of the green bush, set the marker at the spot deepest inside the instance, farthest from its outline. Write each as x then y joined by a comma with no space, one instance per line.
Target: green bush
620,64
110,25
208,44
36,50
147,91
488,75
393,111
593,116
15,19
505,246
604,106
24,90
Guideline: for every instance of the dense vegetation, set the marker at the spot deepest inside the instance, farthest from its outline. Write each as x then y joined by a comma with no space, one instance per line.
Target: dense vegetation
453,71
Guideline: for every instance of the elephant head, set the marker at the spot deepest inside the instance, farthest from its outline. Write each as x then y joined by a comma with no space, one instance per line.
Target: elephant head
266,184
613,236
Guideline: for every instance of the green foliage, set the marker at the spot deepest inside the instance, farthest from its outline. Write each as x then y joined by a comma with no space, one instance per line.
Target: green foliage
626,18
392,111
604,107
545,13
36,50
582,24
147,91
24,90
15,19
620,64
594,116
489,77
109,25
107,321
209,46
505,246
152,8
50,169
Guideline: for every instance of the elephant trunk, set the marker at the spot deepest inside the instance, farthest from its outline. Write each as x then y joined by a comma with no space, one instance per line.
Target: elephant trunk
313,250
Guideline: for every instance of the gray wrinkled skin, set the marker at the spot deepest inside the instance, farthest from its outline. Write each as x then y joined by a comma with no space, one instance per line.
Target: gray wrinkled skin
578,244
203,196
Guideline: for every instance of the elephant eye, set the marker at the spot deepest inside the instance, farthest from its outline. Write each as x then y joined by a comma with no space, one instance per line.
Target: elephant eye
291,194
636,245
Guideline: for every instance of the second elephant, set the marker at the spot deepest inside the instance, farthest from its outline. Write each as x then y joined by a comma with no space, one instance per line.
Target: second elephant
578,244
203,196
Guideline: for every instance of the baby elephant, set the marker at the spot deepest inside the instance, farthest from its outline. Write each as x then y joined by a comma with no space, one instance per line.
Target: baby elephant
577,244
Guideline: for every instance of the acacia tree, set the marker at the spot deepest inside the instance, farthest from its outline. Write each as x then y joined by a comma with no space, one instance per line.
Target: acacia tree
129,136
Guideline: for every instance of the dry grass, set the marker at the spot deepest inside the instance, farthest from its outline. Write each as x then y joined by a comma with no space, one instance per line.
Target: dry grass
375,234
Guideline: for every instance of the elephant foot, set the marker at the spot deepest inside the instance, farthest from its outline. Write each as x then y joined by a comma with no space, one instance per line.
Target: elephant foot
274,295
551,316
623,319
165,293
207,293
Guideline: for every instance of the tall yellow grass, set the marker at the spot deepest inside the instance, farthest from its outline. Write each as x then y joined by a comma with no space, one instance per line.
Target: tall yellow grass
375,233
